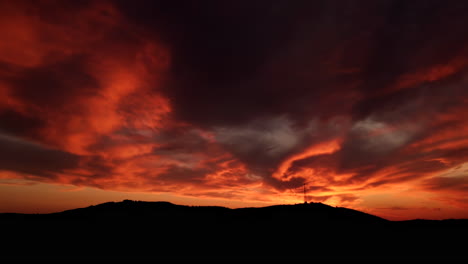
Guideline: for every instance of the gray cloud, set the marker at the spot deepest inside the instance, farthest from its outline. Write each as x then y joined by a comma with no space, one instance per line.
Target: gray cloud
19,155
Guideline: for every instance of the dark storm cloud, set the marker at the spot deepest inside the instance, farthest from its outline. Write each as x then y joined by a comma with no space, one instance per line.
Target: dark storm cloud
236,63
426,98
21,156
55,85
20,124
414,35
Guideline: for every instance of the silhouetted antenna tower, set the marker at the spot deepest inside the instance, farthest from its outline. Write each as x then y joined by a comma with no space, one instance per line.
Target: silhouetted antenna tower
298,191
305,196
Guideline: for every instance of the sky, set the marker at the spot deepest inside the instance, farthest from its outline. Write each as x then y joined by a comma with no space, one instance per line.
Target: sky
357,104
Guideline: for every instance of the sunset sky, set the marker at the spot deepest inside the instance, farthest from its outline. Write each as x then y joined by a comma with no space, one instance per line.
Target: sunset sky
235,103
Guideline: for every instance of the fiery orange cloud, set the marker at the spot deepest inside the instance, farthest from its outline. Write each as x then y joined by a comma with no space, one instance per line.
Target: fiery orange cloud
317,149
190,102
122,91
96,112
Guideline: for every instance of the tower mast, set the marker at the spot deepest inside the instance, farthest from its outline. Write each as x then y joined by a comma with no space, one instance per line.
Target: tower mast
305,198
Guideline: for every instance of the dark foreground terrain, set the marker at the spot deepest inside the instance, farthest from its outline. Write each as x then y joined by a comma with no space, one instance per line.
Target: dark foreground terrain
132,230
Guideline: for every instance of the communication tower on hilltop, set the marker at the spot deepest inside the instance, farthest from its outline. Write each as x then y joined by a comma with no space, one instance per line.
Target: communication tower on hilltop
305,196
297,191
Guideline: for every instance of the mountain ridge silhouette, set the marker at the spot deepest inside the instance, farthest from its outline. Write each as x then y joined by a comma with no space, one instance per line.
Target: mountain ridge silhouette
145,206
163,230
139,207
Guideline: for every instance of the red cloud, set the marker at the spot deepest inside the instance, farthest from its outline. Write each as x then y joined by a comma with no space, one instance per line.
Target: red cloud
191,100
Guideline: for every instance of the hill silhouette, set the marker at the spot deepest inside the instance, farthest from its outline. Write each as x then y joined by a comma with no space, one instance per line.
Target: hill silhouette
163,230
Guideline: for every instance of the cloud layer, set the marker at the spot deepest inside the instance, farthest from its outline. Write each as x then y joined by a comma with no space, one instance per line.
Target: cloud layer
245,100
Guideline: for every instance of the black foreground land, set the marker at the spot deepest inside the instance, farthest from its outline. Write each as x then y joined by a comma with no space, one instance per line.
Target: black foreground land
136,230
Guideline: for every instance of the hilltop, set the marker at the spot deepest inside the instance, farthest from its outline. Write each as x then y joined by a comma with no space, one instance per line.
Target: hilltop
163,230
309,211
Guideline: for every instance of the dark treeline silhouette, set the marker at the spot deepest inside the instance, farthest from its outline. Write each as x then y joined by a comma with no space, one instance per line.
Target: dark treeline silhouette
162,230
